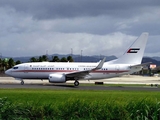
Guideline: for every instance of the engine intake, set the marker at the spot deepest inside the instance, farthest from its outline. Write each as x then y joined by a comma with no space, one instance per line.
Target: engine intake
57,78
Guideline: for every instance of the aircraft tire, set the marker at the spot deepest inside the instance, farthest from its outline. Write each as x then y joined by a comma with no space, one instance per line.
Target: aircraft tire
22,82
76,83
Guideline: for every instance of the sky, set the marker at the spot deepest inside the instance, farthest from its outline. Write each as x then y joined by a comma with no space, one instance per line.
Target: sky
90,27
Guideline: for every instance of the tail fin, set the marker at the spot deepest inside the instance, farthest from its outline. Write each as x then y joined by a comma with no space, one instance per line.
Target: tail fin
135,53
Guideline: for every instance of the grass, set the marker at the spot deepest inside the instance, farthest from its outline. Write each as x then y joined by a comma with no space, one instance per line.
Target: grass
78,104
39,95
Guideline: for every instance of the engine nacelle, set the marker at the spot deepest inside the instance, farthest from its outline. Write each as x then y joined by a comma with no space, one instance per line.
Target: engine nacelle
57,78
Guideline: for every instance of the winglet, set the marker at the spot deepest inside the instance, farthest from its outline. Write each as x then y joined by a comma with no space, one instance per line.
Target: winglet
100,65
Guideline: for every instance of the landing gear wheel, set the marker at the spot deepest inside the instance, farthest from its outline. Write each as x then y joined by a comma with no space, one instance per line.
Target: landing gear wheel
22,82
76,83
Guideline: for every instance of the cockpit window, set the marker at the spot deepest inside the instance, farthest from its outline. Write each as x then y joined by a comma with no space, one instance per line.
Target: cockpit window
15,67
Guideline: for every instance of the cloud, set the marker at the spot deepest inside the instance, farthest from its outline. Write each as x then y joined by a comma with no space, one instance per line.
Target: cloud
38,44
49,9
152,48
96,27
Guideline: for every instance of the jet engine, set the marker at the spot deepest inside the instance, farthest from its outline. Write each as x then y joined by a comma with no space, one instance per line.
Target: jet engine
57,78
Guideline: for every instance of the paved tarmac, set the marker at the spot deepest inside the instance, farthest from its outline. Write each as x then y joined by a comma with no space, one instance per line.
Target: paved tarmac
81,87
148,84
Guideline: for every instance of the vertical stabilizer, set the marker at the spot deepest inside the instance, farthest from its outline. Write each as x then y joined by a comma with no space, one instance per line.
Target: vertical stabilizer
135,53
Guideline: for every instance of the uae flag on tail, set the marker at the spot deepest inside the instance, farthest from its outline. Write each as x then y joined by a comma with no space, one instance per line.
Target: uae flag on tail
133,50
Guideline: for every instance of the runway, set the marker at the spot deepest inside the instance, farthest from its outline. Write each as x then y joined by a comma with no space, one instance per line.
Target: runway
146,82
81,87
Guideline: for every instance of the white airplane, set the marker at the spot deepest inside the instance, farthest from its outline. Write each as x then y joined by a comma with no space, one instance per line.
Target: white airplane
60,72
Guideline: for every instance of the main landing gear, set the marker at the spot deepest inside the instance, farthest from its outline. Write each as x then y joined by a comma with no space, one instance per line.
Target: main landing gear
76,83
22,82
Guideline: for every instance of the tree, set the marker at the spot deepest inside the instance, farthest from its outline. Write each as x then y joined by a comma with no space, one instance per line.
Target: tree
44,58
1,67
40,59
70,59
11,63
63,59
0,62
18,62
33,59
5,63
55,59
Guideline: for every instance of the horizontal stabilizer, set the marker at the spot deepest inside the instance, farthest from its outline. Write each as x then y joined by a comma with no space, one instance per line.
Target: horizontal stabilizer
141,65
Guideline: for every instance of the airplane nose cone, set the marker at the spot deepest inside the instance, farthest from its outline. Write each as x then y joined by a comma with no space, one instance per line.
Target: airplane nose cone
8,72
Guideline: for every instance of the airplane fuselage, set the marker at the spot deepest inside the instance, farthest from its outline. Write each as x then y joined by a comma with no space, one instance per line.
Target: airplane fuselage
44,69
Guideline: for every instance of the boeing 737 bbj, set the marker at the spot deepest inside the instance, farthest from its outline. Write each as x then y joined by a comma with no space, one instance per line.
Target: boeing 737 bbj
60,72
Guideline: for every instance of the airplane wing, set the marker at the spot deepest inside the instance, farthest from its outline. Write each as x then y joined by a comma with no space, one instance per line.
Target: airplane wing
82,74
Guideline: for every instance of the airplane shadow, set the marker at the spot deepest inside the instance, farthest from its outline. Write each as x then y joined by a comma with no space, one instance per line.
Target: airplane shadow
61,85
